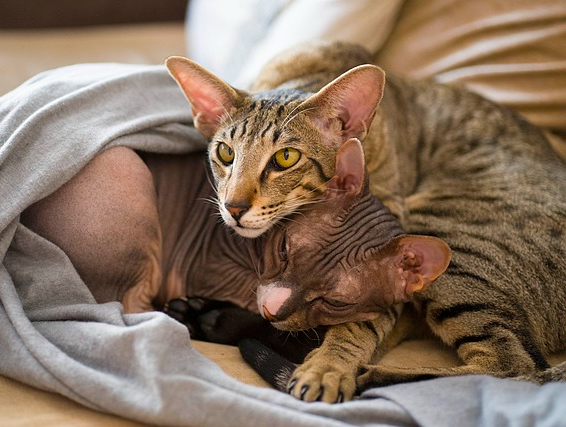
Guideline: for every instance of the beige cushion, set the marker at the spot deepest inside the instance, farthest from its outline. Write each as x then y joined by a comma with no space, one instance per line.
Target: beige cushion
511,52
24,53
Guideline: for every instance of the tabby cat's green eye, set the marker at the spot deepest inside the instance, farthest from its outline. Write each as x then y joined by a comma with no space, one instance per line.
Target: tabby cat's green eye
225,153
286,157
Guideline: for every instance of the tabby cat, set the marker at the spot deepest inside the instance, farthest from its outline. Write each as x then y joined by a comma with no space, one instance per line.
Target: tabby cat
446,162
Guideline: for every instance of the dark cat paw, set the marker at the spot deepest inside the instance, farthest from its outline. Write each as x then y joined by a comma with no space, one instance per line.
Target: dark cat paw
215,321
225,323
180,310
187,311
230,324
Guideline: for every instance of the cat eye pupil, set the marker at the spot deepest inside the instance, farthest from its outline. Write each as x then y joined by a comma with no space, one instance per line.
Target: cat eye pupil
286,157
225,153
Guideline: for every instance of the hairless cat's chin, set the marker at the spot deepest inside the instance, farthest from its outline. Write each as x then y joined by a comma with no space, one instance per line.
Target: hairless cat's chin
317,319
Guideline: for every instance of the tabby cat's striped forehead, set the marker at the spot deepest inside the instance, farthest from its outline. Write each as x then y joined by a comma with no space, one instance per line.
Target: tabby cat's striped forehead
265,113
278,97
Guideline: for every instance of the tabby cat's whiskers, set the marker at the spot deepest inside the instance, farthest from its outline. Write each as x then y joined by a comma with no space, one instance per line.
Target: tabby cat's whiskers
288,119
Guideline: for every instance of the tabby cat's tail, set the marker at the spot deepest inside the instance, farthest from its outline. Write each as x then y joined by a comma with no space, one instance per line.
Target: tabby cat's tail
271,366
556,373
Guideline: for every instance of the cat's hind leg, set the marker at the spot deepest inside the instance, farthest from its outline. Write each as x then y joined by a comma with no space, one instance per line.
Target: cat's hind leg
105,219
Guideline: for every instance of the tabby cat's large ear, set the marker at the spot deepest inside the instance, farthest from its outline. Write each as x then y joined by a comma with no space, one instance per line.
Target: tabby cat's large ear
419,261
352,98
350,170
210,97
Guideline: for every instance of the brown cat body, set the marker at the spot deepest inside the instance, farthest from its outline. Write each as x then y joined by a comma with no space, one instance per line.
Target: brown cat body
446,162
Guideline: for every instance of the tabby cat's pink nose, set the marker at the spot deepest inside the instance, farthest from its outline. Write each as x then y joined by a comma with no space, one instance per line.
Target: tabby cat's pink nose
237,209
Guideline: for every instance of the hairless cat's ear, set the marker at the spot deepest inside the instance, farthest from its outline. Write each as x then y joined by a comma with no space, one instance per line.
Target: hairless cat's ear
352,98
419,261
350,170
210,97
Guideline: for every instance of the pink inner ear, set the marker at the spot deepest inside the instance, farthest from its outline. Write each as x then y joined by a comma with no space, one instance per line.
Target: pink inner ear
435,256
356,114
210,104
209,96
422,259
413,282
350,169
355,98
206,97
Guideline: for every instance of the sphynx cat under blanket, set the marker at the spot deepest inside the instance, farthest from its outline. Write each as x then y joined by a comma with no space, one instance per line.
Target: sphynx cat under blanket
54,336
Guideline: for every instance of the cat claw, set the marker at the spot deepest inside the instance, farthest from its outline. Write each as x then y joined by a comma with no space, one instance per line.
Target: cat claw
316,382
304,390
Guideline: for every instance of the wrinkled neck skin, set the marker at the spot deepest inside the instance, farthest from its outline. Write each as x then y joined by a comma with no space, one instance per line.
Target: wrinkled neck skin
201,256
377,231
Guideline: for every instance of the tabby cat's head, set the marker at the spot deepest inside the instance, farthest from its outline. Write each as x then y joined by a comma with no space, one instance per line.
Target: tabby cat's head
345,258
272,152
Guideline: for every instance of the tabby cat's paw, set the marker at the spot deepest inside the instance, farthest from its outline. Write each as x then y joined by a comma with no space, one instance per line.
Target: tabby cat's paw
322,382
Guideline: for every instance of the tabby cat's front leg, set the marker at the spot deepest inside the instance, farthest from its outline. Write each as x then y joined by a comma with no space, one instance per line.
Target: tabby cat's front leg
329,372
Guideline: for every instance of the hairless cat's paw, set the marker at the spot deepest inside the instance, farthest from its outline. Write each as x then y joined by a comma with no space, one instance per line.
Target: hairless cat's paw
182,310
188,311
215,321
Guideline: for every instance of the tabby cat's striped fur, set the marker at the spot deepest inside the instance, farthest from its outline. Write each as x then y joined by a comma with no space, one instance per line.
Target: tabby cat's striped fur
448,163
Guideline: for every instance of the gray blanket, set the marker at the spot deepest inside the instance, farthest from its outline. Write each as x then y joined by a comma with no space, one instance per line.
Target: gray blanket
53,336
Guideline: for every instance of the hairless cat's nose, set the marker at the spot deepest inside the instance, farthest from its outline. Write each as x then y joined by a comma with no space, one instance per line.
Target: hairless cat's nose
268,316
237,210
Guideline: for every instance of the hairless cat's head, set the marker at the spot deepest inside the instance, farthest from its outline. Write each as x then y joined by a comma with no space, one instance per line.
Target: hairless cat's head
345,258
